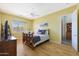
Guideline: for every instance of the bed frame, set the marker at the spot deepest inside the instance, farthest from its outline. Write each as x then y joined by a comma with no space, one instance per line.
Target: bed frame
28,40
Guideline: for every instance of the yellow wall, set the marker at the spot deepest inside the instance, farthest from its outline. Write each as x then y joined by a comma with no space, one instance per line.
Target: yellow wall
10,18
54,22
0,25
78,28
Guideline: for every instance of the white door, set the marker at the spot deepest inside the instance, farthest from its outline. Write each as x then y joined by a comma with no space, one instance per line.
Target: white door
74,31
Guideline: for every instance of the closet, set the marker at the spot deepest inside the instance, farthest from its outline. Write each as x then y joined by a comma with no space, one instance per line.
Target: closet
68,31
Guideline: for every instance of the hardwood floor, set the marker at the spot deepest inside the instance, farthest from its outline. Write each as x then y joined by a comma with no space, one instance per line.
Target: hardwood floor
48,48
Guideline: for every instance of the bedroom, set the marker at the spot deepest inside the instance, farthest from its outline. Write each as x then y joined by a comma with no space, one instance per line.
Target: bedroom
50,22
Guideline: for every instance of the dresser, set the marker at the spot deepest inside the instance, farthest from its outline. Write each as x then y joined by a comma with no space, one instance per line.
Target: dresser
8,48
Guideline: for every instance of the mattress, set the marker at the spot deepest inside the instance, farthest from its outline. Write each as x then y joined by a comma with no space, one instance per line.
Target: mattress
42,39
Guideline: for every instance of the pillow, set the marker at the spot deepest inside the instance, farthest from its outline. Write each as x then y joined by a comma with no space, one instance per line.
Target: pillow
41,31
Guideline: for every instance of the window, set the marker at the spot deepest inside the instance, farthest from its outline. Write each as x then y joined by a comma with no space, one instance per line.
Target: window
19,26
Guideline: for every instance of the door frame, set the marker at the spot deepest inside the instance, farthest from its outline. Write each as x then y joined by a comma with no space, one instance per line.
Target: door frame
62,30
72,33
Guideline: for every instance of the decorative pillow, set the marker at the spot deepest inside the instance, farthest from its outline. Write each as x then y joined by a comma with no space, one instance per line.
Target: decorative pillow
41,31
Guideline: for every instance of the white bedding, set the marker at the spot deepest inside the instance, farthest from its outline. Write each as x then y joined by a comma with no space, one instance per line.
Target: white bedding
44,37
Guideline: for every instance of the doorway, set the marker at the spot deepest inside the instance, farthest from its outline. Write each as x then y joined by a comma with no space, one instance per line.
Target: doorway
69,29
68,33
66,29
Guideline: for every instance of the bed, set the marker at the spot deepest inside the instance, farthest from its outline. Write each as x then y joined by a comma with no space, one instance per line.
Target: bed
34,39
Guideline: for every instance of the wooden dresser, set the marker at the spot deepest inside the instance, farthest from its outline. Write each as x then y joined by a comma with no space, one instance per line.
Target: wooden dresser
8,48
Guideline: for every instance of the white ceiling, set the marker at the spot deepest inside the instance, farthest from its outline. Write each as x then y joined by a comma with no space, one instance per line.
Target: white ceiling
32,10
